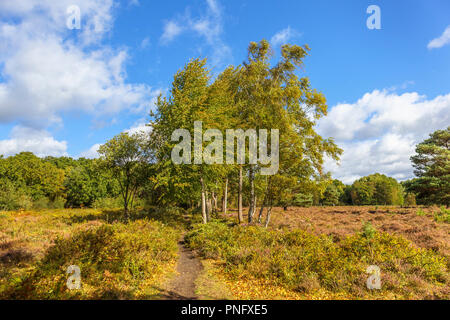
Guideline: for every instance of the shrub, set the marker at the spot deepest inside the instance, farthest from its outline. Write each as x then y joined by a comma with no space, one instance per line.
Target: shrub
122,261
368,231
107,203
443,215
410,199
298,260
12,197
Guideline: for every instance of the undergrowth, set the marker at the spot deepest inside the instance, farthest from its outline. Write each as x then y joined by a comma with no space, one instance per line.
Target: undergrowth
307,263
119,258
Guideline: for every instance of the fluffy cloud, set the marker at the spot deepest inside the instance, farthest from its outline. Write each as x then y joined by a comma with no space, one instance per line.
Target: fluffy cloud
140,127
208,26
40,142
283,36
379,132
443,40
91,153
47,69
171,31
45,73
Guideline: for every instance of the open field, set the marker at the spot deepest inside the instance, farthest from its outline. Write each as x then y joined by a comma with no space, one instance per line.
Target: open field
307,253
322,253
422,229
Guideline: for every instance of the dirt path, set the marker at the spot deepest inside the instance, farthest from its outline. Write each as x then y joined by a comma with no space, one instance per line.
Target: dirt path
182,287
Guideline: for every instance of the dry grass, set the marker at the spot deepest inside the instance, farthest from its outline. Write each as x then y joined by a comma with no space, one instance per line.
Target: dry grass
29,256
338,222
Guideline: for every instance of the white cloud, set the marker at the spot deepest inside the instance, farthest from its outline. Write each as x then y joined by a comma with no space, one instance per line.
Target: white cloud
91,153
40,142
45,73
379,132
171,31
443,40
145,43
283,36
140,127
208,26
42,17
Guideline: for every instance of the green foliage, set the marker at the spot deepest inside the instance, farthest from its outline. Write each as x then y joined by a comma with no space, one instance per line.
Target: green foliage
443,215
331,195
303,200
12,197
410,199
368,230
107,203
377,189
31,182
87,183
128,158
432,167
33,176
421,213
292,258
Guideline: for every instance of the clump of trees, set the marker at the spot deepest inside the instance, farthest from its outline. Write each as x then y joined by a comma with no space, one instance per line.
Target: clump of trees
254,95
432,168
377,189
27,181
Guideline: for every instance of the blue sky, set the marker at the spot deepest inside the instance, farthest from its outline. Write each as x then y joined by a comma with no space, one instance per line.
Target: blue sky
63,92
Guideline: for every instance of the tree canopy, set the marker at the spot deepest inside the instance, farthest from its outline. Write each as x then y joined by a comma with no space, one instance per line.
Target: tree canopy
432,168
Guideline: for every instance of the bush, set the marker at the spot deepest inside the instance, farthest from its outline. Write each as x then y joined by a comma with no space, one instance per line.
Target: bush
107,203
410,199
12,197
122,261
443,215
303,200
300,261
45,203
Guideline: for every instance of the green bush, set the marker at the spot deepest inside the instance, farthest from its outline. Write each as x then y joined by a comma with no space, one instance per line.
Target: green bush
12,197
295,258
443,215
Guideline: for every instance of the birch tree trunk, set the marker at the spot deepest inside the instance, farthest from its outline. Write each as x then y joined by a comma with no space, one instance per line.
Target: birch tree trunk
240,196
225,197
269,211
214,203
261,211
208,207
204,216
251,209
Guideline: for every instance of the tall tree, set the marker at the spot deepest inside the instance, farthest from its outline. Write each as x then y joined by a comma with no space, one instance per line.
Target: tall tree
186,105
432,167
275,97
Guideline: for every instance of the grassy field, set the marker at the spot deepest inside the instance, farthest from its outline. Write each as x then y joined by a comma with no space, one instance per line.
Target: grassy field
306,253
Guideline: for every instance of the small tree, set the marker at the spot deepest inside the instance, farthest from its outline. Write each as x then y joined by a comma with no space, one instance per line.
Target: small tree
331,196
128,159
